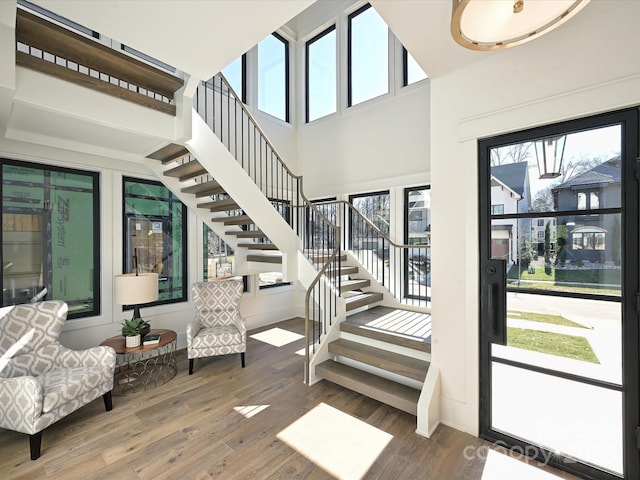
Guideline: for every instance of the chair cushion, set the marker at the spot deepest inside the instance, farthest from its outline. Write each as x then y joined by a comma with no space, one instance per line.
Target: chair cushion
63,385
218,336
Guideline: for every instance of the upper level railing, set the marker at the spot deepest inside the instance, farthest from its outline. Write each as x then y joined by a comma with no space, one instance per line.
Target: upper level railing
230,120
55,50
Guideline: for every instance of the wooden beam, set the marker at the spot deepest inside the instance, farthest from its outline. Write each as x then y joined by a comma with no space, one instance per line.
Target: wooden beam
49,37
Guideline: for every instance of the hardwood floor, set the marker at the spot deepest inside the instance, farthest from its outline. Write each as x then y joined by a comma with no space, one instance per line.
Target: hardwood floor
194,428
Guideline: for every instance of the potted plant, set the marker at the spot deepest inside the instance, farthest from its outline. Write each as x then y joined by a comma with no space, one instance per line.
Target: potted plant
131,329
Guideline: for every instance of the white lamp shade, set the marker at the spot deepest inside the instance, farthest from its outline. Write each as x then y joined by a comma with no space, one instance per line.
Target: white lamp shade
495,24
132,289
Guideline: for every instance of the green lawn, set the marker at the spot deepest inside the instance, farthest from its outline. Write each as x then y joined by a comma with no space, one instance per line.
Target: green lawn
609,276
569,346
543,318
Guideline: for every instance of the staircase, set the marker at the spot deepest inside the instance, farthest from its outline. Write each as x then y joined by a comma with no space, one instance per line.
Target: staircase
374,357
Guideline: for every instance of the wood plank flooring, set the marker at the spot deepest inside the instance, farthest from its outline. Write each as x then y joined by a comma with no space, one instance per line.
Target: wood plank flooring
191,429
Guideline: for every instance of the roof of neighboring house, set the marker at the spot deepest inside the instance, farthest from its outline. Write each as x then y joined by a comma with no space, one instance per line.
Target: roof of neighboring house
606,173
513,175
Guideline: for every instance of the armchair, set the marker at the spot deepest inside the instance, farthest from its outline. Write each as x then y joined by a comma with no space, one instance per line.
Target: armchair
46,381
218,328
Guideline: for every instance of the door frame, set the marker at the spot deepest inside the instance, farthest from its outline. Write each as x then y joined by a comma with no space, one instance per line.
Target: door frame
630,297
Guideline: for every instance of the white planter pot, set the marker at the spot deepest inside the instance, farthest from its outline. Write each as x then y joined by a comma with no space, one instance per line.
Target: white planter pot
132,342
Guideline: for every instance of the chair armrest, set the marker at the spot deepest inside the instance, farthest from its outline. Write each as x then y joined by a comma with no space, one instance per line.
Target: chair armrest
91,357
24,406
241,325
193,328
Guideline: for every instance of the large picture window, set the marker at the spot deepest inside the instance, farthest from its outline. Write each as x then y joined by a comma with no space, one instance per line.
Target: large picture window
155,236
367,56
50,236
273,76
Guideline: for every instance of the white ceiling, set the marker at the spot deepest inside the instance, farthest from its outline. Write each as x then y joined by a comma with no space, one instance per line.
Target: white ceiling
199,37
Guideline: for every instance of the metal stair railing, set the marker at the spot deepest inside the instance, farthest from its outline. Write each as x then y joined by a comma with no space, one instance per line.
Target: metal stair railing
403,269
230,120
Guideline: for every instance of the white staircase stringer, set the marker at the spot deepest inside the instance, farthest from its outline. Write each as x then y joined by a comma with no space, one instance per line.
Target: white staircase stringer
428,415
215,158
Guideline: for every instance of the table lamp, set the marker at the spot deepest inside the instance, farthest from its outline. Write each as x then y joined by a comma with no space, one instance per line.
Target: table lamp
135,289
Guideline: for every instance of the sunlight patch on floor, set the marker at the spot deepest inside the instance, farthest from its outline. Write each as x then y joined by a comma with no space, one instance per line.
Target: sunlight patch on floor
413,324
277,337
340,444
249,411
502,467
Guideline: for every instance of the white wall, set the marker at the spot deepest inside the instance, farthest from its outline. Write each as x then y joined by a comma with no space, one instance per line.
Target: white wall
580,69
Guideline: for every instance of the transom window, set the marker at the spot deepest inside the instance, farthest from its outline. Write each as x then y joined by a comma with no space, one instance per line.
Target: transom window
367,55
273,76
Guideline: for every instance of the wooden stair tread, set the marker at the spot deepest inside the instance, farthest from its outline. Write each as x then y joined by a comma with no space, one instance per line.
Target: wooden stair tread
354,284
384,359
220,205
362,300
246,233
345,270
186,171
321,258
273,258
204,189
169,153
386,391
235,220
364,325
258,246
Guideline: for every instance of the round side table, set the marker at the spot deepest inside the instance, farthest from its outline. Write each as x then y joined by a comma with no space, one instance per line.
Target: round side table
146,366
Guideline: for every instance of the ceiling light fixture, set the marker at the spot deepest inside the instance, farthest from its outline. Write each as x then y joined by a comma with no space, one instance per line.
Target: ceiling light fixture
496,24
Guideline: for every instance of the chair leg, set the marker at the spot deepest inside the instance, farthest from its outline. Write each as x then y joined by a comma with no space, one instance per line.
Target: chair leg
108,405
191,366
35,441
242,358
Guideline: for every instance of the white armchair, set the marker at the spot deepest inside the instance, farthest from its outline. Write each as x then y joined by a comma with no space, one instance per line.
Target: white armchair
218,328
46,381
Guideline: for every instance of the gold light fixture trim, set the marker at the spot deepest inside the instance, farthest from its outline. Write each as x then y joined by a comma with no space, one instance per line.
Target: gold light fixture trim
497,24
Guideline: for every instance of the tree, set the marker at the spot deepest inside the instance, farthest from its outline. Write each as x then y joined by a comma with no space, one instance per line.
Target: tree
519,152
543,201
561,242
547,246
615,241
576,165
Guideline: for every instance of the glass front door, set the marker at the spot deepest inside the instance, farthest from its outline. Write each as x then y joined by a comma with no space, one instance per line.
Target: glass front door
556,269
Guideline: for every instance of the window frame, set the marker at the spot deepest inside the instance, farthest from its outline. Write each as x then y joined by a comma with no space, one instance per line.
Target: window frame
96,228
183,240
287,79
350,18
308,43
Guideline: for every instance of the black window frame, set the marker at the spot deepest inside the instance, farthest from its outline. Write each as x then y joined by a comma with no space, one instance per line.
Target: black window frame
287,80
96,227
309,42
183,240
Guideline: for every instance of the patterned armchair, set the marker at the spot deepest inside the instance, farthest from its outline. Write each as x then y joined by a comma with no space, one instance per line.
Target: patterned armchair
46,381
218,328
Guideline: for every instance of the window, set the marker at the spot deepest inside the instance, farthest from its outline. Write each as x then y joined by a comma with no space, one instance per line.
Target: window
497,209
50,236
411,71
589,238
273,76
417,231
540,235
541,222
373,206
320,68
155,233
367,55
218,257
235,73
588,200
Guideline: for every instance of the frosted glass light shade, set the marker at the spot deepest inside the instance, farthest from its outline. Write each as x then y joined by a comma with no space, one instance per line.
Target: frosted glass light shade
132,289
496,24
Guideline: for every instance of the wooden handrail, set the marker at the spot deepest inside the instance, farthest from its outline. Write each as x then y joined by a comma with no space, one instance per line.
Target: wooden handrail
49,37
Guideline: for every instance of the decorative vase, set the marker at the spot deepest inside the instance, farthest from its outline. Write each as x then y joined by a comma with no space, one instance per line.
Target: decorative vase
132,341
145,331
